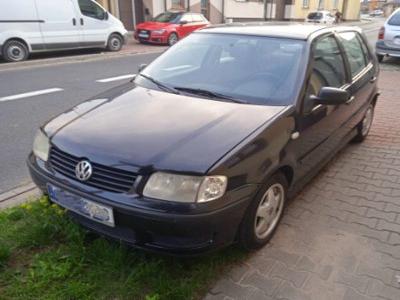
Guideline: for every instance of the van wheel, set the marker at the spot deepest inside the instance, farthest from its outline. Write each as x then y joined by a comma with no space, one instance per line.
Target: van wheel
172,39
365,125
115,43
264,213
14,51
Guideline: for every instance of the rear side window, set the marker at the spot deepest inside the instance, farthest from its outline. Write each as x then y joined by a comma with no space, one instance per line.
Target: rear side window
197,18
90,9
354,51
186,18
395,19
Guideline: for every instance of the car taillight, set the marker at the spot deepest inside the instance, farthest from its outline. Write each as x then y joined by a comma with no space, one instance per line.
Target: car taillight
381,34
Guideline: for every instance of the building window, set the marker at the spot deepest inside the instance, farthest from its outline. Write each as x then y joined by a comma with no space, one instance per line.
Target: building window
306,3
335,4
321,4
177,4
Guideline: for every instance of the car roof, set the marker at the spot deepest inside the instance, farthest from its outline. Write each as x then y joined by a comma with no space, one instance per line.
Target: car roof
291,30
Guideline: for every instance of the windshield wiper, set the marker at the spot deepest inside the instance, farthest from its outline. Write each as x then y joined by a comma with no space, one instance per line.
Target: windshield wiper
159,84
210,94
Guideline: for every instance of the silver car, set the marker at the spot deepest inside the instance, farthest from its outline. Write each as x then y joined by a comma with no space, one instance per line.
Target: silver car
388,43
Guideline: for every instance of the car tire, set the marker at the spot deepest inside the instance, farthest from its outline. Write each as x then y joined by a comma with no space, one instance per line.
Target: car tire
15,51
380,57
173,39
364,126
115,43
264,213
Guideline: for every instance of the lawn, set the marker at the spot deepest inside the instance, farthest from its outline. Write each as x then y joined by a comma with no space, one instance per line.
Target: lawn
43,255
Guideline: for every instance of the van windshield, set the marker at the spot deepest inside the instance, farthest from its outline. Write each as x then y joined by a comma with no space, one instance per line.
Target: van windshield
315,16
253,69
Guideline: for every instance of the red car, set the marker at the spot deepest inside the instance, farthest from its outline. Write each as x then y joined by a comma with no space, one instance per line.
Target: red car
169,27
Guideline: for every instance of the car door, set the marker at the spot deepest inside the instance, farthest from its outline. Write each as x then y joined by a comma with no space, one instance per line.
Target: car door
185,26
59,28
318,125
362,72
93,22
392,31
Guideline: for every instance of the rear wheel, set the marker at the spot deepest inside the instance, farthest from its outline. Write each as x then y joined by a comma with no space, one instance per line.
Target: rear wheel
14,51
380,57
264,213
172,39
115,43
365,125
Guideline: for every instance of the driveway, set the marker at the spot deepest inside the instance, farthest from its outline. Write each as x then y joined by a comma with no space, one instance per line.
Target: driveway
340,238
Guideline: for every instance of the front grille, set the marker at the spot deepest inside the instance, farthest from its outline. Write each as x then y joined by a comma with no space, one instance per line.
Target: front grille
103,177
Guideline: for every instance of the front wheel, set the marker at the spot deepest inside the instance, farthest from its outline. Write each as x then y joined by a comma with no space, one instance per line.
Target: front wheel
172,39
14,51
115,43
264,213
364,126
380,57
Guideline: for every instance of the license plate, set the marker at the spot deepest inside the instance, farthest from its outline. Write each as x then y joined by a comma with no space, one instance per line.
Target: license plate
89,209
143,35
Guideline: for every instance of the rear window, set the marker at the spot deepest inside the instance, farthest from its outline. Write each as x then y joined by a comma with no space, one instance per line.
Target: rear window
314,16
395,19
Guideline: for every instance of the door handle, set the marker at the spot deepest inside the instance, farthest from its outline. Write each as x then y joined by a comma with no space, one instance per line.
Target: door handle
82,21
350,100
373,79
74,21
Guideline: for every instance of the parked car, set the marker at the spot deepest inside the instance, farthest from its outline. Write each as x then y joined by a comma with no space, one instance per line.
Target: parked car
30,26
388,43
169,27
321,16
204,147
376,13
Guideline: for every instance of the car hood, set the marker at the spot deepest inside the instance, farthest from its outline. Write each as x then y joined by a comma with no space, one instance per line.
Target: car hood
153,25
146,128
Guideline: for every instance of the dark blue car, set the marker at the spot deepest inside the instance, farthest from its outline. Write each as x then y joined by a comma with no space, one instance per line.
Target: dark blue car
206,145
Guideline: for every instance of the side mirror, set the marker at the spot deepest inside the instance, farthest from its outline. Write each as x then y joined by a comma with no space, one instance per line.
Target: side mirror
141,67
331,96
183,22
105,16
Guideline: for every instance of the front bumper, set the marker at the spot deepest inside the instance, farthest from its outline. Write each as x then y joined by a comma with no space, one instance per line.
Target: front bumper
153,39
382,49
155,230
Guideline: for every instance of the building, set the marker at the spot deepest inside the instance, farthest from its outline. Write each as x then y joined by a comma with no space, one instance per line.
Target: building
132,12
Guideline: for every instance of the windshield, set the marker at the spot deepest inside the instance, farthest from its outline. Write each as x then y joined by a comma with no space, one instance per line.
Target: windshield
254,69
167,17
395,19
315,16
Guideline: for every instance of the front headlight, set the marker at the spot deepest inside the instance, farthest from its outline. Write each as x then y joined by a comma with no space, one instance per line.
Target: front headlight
41,146
160,31
183,188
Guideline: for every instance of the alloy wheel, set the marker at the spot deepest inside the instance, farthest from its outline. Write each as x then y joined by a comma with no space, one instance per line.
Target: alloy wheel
269,211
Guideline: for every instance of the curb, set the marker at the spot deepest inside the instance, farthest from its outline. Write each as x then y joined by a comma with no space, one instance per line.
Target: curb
18,195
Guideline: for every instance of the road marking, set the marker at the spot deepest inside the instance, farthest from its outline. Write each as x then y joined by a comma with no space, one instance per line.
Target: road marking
116,78
30,94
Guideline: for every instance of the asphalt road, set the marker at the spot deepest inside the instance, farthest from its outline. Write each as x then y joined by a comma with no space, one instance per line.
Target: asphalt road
30,96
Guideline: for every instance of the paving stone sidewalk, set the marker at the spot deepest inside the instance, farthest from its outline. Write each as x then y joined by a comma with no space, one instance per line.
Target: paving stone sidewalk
340,238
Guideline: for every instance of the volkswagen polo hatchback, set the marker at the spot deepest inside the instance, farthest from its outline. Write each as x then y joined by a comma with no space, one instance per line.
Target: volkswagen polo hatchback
206,145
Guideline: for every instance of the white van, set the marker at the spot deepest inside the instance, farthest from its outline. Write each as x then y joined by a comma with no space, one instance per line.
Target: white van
29,26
